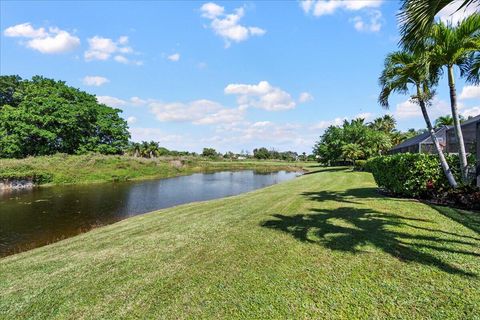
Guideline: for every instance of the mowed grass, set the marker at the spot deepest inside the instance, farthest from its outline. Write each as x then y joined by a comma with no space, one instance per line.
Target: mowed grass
324,245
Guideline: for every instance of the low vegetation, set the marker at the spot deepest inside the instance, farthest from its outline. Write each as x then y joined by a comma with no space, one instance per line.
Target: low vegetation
420,176
65,169
324,245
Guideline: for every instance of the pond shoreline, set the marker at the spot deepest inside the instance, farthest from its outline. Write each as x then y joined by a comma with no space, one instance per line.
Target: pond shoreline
63,169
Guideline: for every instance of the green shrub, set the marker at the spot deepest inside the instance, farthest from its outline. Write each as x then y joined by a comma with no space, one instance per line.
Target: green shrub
360,165
411,174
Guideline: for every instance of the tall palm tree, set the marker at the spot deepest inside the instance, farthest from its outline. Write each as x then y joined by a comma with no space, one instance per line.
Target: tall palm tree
402,70
416,17
454,46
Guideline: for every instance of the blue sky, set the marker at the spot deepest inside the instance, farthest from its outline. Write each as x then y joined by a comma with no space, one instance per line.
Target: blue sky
228,75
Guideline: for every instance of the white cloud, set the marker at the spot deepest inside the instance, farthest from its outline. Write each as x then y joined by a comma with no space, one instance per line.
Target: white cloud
409,109
371,23
25,30
227,26
51,42
281,136
364,115
136,101
452,14
324,124
319,8
471,112
470,92
199,112
174,57
131,120
170,141
103,49
111,101
305,97
96,81
261,95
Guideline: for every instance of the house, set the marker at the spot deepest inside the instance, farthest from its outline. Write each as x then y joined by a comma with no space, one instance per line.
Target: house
422,143
448,141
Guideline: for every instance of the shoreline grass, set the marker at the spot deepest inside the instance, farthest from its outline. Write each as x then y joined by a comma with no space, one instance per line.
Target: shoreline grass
63,169
324,245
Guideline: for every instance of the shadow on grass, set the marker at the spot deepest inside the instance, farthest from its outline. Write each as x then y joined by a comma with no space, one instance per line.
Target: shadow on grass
348,229
319,169
469,219
346,196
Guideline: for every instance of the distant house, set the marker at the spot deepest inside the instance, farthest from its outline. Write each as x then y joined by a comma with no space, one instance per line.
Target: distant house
422,143
447,138
448,141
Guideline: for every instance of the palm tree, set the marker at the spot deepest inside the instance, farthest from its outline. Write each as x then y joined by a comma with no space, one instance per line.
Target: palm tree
386,124
454,46
403,69
444,121
416,17
471,69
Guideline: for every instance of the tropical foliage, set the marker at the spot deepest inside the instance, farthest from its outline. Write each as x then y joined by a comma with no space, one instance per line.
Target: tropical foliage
42,116
356,140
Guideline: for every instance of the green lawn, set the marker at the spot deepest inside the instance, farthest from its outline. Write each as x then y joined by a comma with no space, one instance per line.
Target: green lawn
325,245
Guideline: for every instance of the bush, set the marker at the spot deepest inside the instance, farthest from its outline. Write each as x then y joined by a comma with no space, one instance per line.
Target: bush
360,165
411,174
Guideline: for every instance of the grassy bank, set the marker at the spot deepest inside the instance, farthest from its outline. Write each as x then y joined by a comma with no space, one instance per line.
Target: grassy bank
65,169
325,245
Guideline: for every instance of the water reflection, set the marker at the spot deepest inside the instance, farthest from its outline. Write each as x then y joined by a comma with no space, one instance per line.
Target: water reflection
34,218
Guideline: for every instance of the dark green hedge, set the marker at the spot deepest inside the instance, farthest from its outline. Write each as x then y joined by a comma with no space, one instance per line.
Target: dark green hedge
411,174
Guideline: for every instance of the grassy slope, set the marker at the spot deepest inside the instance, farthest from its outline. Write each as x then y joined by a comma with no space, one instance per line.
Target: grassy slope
100,168
322,246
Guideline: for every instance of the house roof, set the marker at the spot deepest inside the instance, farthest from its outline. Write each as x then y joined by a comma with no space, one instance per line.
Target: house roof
424,136
412,141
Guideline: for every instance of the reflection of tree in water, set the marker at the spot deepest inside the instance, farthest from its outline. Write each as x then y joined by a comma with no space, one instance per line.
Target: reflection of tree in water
50,214
348,229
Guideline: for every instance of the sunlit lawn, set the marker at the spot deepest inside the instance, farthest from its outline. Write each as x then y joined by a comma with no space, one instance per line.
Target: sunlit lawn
325,245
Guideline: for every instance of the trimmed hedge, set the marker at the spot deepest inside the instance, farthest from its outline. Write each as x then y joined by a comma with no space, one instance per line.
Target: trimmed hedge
411,174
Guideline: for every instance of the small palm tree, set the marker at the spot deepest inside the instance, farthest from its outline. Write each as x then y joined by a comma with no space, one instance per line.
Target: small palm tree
403,69
416,18
444,121
454,46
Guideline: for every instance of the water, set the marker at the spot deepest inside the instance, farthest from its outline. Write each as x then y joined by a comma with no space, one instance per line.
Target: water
32,218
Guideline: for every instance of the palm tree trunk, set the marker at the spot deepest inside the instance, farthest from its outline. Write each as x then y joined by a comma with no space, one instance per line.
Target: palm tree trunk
456,124
443,161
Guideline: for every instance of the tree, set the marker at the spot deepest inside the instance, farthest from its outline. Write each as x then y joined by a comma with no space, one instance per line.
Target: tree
261,153
403,69
352,151
386,124
453,46
43,116
209,153
443,121
416,18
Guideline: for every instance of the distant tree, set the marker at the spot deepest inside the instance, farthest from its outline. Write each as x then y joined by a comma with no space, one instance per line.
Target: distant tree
261,153
209,153
43,116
